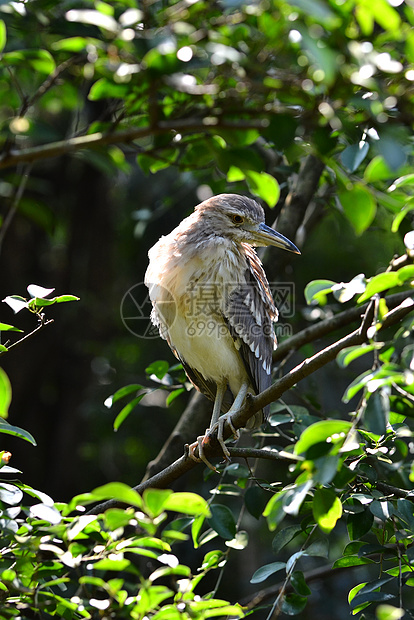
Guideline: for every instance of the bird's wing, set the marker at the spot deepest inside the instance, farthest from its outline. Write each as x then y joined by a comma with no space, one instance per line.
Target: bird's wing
250,313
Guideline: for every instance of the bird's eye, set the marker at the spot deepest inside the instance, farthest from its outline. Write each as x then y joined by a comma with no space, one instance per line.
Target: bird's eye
237,219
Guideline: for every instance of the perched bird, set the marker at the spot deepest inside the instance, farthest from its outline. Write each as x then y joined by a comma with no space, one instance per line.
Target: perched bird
213,305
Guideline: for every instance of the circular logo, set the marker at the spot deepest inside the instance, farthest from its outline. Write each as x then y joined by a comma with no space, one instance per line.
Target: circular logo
136,310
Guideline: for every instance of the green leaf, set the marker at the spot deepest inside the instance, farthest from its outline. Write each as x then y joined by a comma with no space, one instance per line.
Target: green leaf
173,395
349,354
371,597
117,517
293,604
158,368
381,509
378,170
298,582
262,573
371,586
392,151
359,207
317,290
389,612
255,500
326,508
196,529
386,16
113,490
263,185
359,524
17,432
222,521
319,548
188,503
4,327
283,537
378,284
3,35
234,174
105,89
405,273
39,60
64,298
74,44
126,390
351,560
354,155
114,564
5,394
398,218
125,411
155,499
377,411
331,431
158,64
407,179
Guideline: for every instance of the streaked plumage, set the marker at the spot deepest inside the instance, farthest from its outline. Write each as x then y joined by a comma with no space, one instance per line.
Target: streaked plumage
211,299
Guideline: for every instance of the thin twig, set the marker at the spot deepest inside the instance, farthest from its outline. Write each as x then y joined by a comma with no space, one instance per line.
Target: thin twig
37,329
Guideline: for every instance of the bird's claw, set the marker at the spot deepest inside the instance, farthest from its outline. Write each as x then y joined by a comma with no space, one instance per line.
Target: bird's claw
203,439
190,452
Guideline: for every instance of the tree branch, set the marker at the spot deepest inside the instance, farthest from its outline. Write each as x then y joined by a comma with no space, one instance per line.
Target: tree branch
43,324
254,403
268,454
318,330
96,140
292,214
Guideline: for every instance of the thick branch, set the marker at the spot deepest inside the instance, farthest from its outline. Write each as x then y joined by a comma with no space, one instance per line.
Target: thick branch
298,199
292,214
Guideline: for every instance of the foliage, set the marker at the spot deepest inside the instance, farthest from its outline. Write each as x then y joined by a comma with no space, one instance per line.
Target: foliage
120,563
256,98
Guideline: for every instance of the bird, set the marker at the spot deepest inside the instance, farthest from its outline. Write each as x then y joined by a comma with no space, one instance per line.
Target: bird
212,303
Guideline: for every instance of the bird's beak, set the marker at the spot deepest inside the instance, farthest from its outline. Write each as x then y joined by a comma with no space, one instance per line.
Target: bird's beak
268,236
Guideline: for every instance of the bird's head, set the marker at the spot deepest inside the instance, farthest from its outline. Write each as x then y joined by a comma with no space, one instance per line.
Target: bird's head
240,219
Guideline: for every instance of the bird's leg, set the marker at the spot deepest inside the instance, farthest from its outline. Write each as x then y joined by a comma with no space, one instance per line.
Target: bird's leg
218,401
217,423
238,401
221,390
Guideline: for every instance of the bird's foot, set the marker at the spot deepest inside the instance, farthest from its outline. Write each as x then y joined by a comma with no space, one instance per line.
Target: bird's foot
201,440
220,425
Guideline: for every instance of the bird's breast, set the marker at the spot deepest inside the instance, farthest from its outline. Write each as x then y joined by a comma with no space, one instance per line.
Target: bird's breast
189,293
